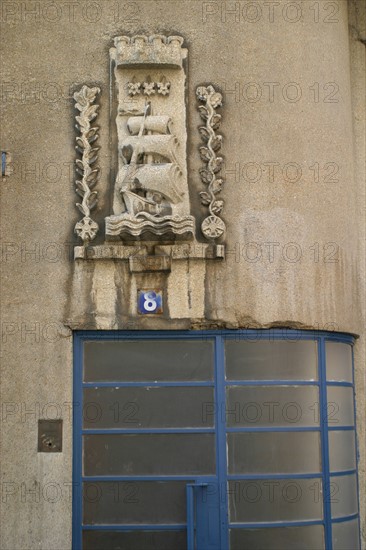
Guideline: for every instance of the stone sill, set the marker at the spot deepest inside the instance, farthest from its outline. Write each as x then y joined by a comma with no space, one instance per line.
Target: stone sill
150,256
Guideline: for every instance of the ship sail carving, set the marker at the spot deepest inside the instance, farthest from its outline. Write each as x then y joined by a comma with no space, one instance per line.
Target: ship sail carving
149,180
158,124
155,145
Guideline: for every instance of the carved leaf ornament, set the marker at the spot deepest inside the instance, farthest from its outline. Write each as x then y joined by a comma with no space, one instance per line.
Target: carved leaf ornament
86,228
212,226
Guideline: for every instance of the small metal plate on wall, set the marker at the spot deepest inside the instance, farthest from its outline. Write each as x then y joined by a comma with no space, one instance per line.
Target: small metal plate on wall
49,436
150,301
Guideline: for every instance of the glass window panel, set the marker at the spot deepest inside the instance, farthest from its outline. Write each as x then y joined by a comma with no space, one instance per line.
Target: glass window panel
343,495
338,361
148,407
275,500
342,450
148,360
274,452
139,540
340,406
279,538
346,535
149,454
134,502
272,406
277,360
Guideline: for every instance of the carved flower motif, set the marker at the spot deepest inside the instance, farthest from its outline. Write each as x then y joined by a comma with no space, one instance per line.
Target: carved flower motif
213,227
86,229
149,88
133,88
202,93
163,88
85,96
209,95
215,100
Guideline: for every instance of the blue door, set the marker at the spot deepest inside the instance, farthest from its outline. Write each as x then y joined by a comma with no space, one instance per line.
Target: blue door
211,441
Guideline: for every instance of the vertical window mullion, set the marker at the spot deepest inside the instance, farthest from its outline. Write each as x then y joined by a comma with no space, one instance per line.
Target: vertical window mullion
77,444
323,410
356,441
221,436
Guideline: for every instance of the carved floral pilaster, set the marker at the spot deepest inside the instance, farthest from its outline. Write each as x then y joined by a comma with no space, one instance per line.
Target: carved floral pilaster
86,228
213,227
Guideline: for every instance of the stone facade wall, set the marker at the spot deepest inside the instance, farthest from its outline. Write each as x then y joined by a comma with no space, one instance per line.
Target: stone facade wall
293,128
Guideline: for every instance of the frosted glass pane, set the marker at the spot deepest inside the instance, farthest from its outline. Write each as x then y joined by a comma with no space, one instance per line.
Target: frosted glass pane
340,406
275,500
274,452
338,361
149,454
138,540
277,360
150,360
280,538
272,406
346,535
134,502
148,407
342,450
343,495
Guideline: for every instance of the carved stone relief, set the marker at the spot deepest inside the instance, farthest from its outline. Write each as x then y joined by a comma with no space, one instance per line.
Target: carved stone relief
212,227
151,189
86,228
151,208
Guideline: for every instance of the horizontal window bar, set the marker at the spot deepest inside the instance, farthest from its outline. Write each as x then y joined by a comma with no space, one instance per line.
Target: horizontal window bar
154,384
339,383
345,518
344,473
275,429
272,383
149,478
111,431
134,527
276,333
234,477
260,524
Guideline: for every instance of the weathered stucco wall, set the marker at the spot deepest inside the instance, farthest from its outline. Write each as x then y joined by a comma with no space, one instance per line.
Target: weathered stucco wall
357,26
293,125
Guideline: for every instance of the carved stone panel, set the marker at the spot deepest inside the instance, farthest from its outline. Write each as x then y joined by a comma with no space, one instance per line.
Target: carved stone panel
151,200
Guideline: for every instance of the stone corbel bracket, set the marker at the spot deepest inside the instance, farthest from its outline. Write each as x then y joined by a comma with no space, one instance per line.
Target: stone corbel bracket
86,228
212,226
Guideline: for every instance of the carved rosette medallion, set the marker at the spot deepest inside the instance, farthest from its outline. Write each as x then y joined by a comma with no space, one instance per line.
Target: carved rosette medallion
151,200
213,226
86,228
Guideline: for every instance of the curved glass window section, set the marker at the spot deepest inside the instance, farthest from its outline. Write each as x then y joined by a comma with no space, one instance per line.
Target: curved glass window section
215,440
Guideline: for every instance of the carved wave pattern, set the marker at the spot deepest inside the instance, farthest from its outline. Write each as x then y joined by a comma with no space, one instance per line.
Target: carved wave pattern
149,223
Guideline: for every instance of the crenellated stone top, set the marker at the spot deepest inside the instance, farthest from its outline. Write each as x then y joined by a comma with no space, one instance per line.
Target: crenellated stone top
140,50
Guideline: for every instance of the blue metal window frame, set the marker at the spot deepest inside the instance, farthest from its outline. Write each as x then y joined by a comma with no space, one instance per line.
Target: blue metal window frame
218,337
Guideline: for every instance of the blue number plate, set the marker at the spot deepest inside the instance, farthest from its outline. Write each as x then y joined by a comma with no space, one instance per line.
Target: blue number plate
150,301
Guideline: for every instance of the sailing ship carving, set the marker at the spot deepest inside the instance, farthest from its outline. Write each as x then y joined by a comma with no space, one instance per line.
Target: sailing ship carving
150,182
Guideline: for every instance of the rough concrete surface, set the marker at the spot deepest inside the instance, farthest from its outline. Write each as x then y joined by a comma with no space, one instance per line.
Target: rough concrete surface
294,147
